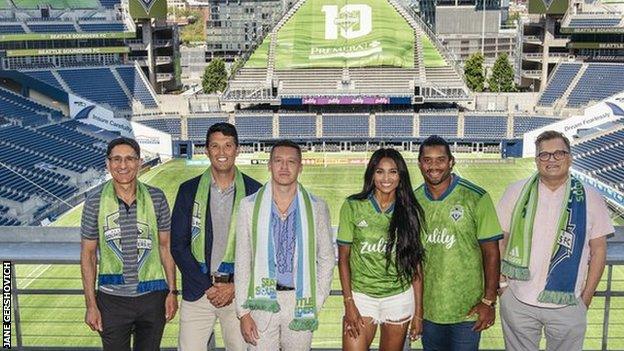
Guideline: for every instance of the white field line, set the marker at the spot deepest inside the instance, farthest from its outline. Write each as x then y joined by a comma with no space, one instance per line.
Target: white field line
152,176
40,270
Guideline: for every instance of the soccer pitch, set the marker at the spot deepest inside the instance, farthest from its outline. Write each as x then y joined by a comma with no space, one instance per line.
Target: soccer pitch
58,320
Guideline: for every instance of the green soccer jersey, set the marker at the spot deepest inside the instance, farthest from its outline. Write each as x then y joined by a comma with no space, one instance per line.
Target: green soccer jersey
365,228
455,223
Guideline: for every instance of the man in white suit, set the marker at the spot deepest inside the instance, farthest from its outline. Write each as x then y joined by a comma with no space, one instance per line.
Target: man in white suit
284,258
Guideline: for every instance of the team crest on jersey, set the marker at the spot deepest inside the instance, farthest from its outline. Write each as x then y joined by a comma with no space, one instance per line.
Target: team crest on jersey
112,233
195,221
457,212
144,242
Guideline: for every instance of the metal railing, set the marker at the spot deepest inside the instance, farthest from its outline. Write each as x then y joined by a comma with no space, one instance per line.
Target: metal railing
48,306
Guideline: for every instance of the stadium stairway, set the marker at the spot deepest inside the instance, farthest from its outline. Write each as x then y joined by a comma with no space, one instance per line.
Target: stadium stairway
273,38
563,101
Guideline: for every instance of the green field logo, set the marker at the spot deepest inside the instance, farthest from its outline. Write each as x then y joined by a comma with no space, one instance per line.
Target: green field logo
352,21
340,33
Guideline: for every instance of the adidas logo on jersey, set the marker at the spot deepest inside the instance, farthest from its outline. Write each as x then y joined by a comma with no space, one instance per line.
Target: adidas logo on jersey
362,224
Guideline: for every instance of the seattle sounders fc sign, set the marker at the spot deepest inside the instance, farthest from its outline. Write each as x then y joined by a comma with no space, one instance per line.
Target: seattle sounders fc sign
339,33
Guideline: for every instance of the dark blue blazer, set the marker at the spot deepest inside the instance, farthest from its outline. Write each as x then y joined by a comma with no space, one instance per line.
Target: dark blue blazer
194,282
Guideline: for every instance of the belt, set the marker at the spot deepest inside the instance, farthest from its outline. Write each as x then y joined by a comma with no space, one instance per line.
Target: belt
226,278
280,287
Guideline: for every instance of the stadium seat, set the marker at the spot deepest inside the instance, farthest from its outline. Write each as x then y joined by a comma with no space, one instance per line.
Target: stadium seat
345,125
598,82
523,124
297,126
391,125
442,125
485,126
167,125
559,82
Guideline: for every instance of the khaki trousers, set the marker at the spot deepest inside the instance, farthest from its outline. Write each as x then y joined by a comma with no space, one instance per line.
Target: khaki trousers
563,327
274,331
197,320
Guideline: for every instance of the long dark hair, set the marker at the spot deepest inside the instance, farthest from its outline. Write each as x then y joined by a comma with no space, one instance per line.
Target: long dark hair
407,219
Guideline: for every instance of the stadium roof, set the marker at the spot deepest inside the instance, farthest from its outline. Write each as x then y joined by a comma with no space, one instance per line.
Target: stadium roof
335,48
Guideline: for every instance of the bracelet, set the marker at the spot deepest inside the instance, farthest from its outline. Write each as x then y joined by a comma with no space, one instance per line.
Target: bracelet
503,284
348,298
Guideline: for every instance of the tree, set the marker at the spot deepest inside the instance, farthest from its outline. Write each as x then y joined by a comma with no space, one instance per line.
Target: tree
473,71
194,31
236,65
502,78
215,77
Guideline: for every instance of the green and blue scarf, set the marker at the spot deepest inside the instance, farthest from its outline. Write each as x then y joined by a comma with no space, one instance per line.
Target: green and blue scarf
567,249
198,226
150,271
262,292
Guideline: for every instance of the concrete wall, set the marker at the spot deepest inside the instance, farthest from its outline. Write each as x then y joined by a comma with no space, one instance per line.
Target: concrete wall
465,20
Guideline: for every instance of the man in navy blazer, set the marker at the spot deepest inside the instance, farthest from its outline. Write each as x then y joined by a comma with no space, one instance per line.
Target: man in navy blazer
207,294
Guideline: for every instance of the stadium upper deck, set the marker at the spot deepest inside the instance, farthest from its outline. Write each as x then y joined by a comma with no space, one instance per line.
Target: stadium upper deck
62,33
333,52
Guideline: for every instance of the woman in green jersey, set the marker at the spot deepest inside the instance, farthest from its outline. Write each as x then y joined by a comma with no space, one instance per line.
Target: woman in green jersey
380,255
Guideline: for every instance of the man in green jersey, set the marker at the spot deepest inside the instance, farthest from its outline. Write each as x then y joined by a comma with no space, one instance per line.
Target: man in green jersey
461,264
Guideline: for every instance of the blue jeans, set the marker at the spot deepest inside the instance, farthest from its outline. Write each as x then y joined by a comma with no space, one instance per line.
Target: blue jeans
450,337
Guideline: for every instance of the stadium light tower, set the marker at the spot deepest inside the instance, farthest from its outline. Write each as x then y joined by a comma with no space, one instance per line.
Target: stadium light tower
483,30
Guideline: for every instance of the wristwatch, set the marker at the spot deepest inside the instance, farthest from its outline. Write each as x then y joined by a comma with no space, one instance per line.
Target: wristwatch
174,292
489,303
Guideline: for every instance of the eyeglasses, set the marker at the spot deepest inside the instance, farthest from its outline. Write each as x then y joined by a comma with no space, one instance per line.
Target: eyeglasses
119,159
558,155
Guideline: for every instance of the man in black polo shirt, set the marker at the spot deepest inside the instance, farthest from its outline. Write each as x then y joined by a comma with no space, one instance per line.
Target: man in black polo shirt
203,243
128,223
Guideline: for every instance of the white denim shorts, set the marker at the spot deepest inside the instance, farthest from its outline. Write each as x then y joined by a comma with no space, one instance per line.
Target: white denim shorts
395,309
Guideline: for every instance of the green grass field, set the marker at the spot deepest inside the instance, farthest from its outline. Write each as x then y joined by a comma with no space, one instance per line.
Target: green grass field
431,56
58,320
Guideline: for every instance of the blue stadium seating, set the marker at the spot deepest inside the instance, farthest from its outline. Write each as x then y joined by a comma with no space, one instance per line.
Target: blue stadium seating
599,81
602,157
442,125
559,83
102,27
594,22
254,127
90,129
297,126
45,76
345,125
523,124
131,77
52,28
12,194
7,221
96,84
11,29
110,3
197,127
57,151
485,126
68,133
394,125
167,125
28,112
